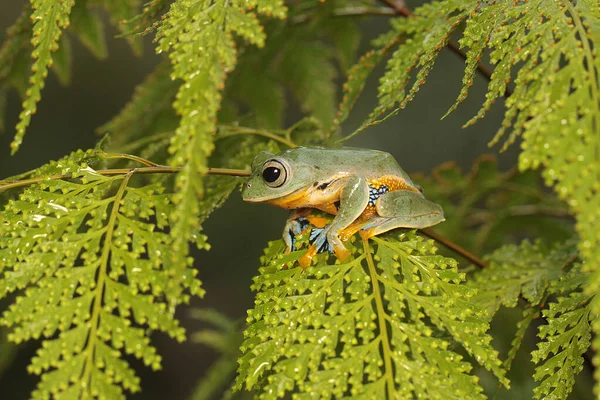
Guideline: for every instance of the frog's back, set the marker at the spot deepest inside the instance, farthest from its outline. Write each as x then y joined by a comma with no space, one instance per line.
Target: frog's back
370,164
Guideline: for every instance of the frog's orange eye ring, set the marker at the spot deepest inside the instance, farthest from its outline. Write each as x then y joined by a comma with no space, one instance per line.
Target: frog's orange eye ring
274,173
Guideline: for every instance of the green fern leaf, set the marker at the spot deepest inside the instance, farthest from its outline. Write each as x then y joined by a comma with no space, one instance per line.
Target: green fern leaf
120,12
50,18
498,207
549,50
89,28
557,80
62,61
525,270
427,32
199,36
566,338
147,21
16,42
138,119
311,74
226,340
373,326
90,268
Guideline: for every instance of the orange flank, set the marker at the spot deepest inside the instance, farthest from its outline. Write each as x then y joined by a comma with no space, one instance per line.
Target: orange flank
392,182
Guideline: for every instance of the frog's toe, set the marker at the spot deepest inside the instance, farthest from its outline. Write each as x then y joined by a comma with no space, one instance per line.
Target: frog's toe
342,253
318,237
307,257
294,228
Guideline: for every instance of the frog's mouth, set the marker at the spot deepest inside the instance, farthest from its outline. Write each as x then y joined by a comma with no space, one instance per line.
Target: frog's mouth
284,200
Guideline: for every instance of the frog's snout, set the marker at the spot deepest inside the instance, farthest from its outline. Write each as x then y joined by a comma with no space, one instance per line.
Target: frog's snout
245,189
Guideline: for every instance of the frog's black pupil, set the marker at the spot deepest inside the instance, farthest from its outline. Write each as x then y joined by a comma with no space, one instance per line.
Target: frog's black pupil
271,174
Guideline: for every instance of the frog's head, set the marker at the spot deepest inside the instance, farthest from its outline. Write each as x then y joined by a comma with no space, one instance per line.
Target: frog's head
275,176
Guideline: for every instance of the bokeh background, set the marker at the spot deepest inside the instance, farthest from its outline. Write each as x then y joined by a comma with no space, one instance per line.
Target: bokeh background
66,120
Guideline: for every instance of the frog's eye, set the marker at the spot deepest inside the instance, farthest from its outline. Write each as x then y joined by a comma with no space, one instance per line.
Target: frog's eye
274,173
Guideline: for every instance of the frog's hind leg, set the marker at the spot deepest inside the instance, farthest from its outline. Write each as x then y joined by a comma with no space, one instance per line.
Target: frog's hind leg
402,209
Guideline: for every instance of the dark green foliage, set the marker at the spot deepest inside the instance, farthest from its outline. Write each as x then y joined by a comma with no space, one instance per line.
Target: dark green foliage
89,28
224,336
494,204
538,274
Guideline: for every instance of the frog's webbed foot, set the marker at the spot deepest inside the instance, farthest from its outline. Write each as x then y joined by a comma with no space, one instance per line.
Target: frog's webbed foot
318,237
299,221
323,240
293,227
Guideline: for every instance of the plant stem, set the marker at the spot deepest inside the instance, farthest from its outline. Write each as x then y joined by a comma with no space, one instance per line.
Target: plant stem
102,275
454,247
351,11
389,373
157,169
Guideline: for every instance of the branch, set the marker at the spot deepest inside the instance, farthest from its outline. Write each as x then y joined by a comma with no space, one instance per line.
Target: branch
350,11
154,169
454,247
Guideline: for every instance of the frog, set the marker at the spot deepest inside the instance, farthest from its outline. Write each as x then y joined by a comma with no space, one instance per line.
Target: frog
366,191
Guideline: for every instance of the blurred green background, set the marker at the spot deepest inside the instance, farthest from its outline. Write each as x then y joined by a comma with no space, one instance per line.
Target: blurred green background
66,120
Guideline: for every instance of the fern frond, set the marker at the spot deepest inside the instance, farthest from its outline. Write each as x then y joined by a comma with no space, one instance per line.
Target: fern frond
148,19
426,33
497,207
89,28
566,338
226,339
373,326
138,118
555,44
525,270
198,35
16,42
50,18
88,258
549,50
311,74
120,12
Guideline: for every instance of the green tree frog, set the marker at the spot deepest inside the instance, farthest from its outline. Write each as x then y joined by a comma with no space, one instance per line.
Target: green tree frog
366,191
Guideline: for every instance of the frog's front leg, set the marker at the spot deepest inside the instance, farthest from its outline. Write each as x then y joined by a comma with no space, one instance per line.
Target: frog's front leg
299,220
354,198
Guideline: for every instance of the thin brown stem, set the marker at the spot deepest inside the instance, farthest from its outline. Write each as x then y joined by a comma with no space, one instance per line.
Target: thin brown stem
351,11
454,247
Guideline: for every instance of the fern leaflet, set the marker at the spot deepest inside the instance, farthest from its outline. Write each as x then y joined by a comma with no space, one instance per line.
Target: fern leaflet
566,338
50,18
